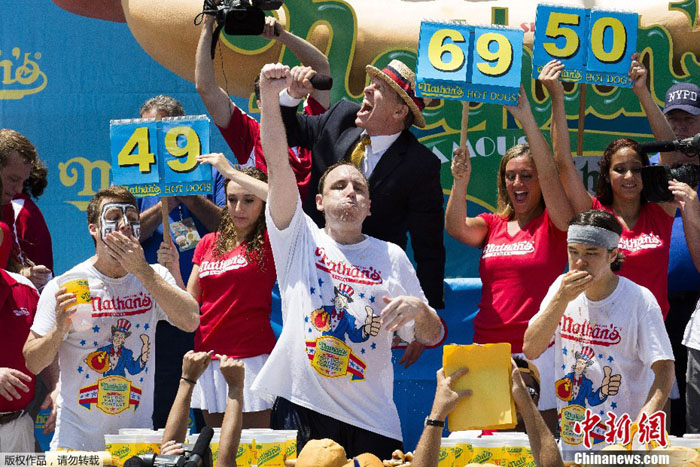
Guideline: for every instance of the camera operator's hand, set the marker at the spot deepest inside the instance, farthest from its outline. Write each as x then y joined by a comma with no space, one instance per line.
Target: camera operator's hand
172,448
301,81
685,198
272,29
273,78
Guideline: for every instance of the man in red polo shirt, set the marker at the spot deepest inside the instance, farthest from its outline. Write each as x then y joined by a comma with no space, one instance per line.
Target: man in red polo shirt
18,300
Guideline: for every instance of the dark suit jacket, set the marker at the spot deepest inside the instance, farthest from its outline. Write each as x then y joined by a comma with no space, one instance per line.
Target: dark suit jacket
404,187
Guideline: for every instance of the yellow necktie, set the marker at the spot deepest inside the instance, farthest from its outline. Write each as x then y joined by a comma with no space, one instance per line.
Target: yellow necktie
359,152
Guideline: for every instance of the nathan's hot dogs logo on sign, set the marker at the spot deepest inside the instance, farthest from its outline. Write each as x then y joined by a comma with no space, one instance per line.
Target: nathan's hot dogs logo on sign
155,158
21,74
457,61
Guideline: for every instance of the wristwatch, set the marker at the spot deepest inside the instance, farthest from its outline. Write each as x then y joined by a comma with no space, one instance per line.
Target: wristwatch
430,422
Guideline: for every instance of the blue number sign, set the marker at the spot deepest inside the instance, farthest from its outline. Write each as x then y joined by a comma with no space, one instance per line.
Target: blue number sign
595,46
155,158
470,63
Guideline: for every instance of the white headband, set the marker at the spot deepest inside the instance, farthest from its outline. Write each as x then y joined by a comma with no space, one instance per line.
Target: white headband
592,235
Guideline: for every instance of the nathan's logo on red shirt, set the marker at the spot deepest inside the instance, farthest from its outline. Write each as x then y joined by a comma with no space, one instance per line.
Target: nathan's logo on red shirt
508,249
122,306
605,335
211,268
643,242
22,311
342,271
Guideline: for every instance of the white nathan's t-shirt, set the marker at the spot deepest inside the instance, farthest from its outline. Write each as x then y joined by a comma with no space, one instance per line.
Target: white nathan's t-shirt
623,334
324,360
106,381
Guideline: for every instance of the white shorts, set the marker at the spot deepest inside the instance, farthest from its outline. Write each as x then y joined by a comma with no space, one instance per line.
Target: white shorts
545,365
211,391
17,435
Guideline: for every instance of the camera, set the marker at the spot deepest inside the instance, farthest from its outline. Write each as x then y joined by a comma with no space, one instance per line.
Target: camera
200,456
241,17
655,179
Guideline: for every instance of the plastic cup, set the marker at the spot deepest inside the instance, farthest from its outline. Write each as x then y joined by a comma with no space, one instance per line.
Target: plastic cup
80,288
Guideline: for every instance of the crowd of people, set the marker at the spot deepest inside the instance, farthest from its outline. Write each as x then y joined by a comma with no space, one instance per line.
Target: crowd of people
171,328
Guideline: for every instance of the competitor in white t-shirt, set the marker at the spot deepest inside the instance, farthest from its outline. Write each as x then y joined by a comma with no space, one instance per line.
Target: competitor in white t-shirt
608,333
343,296
104,346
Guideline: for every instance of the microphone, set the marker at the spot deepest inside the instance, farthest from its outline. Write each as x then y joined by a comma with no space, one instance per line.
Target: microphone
199,452
322,82
687,145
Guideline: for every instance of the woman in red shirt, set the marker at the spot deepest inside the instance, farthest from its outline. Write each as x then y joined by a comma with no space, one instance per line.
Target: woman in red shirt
523,244
232,279
646,227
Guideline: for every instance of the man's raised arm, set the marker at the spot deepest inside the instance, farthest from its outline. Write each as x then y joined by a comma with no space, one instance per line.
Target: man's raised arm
283,193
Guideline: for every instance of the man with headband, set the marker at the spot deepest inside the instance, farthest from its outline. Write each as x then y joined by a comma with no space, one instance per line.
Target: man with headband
608,334
104,337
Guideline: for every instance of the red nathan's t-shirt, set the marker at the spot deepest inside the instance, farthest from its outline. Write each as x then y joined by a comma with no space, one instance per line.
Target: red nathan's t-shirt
236,301
646,248
33,234
243,137
17,309
516,272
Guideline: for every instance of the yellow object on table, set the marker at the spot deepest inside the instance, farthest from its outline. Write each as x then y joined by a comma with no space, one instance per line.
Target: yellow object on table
491,406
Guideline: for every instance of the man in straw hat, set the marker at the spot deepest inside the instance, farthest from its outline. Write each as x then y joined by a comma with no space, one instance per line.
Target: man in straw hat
331,370
404,175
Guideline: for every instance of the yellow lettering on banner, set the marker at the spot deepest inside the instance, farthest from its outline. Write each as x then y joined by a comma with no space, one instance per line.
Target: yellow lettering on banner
192,148
555,30
70,171
619,41
503,56
438,47
27,74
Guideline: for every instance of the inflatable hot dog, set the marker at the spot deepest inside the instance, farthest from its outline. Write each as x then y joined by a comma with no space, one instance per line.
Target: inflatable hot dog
165,29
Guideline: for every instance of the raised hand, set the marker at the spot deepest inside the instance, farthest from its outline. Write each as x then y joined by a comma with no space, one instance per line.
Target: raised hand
233,371
461,164
218,160
301,81
194,364
272,29
446,398
549,77
638,74
274,77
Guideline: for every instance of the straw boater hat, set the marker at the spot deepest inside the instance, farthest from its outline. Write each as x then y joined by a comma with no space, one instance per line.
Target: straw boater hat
402,80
